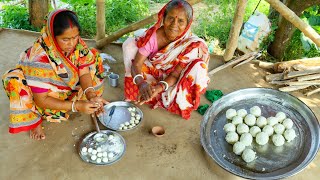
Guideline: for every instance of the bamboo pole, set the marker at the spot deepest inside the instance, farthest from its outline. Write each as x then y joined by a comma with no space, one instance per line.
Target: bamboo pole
295,20
132,27
100,19
235,30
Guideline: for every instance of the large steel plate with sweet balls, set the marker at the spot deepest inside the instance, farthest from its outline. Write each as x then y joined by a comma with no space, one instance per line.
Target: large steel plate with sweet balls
121,116
104,148
270,161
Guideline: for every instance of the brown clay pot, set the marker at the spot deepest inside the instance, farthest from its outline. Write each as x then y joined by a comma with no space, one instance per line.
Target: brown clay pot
158,131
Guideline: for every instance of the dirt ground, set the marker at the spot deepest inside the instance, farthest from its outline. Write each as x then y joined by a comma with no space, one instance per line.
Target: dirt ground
176,155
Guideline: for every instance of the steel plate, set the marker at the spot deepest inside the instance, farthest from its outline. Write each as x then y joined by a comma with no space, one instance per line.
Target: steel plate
272,162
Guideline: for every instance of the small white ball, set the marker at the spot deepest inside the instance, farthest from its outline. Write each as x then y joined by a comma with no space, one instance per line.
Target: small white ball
133,114
132,121
230,113
84,149
138,116
261,121
133,109
254,130
281,116
105,159
246,139
127,123
288,123
232,137
229,127
111,137
98,160
248,155
242,128
94,151
250,120
110,155
136,121
242,113
262,138
120,128
125,128
278,140
93,157
129,109
256,111
279,128
105,154
90,150
238,148
272,121
130,126
99,154
289,134
237,120
268,129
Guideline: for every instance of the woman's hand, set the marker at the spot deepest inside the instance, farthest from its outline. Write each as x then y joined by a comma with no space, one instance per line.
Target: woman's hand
155,90
145,91
99,101
87,107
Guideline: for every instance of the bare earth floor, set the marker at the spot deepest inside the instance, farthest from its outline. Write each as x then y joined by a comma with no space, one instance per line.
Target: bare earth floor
177,155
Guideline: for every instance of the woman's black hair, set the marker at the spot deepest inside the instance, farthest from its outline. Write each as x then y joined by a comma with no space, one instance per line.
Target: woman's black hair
63,21
179,3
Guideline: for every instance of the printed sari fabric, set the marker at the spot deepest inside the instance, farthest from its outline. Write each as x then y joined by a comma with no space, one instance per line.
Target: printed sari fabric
189,52
44,66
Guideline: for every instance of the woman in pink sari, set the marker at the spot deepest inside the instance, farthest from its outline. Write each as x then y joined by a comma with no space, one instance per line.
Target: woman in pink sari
167,66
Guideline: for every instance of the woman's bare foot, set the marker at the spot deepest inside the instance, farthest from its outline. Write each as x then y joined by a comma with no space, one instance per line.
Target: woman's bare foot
37,133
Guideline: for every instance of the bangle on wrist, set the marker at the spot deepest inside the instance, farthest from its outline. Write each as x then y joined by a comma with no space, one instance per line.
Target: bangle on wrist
90,87
134,78
73,106
165,84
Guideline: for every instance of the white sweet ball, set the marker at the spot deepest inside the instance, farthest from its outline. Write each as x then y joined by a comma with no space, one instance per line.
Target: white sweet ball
261,121
250,120
248,155
281,116
279,128
105,159
278,140
136,121
105,154
229,127
125,128
93,157
90,150
288,123
289,134
94,151
133,109
98,160
242,128
111,137
262,138
132,121
129,109
230,113
99,154
254,130
84,149
237,120
232,137
133,114
268,129
120,128
272,121
138,116
256,111
238,148
127,123
242,113
246,139
130,126
110,155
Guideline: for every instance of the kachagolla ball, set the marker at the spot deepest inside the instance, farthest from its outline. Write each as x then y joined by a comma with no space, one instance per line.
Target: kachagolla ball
272,121
279,128
289,134
242,113
237,120
261,121
288,123
246,139
238,148
268,129
248,155
262,138
256,111
250,120
230,113
281,116
229,127
242,128
232,137
278,140
254,130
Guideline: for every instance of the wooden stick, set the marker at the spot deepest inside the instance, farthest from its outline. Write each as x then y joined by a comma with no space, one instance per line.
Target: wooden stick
244,62
284,82
308,77
295,20
293,88
302,73
235,29
274,77
100,19
301,83
233,62
281,66
312,92
266,65
132,27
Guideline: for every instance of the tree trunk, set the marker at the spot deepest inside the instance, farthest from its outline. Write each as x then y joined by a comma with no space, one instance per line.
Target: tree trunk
38,9
286,29
101,19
